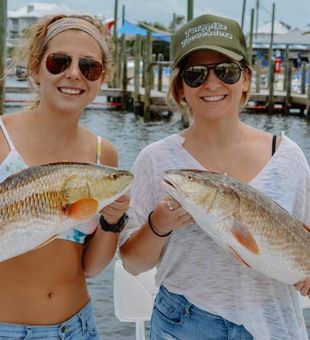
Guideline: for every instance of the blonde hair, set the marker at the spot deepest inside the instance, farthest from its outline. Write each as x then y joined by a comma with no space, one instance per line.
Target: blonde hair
31,52
174,100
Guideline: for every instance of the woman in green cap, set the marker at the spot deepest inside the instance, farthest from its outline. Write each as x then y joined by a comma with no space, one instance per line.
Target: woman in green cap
204,293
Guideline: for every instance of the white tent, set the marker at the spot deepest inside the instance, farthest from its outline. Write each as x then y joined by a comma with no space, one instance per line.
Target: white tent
279,28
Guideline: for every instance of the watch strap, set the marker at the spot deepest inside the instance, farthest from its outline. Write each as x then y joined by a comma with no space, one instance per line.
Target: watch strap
114,228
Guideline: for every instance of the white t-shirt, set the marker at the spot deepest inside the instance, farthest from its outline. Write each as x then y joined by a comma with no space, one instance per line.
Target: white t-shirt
193,265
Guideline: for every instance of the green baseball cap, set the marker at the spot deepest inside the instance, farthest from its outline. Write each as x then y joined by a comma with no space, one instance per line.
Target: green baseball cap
209,32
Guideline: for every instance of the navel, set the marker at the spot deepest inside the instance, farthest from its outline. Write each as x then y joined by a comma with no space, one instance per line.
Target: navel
50,295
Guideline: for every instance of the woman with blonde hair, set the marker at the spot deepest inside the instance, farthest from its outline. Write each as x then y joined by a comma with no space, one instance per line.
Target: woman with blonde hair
43,293
204,293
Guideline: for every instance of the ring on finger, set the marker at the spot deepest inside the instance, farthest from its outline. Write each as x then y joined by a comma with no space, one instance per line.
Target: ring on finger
170,207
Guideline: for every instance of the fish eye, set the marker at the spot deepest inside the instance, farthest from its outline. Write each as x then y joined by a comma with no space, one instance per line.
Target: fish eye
189,177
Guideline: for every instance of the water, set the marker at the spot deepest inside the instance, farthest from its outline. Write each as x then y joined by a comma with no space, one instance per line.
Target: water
130,134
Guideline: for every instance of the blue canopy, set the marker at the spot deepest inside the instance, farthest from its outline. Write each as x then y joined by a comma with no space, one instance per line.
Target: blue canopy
129,28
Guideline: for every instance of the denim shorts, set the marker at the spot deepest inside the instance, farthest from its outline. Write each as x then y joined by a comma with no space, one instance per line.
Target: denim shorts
81,326
175,318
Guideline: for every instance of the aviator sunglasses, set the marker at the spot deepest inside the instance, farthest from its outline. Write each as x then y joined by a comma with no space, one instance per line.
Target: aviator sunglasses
196,75
58,62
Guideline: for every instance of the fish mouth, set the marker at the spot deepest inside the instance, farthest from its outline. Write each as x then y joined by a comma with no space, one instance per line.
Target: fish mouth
170,186
168,183
171,189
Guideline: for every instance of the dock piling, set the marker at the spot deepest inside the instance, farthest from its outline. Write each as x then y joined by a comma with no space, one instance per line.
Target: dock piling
308,95
3,16
137,58
258,75
303,77
160,72
148,77
288,88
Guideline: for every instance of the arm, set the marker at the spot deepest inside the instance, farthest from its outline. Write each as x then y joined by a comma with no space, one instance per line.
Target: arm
140,247
101,248
142,251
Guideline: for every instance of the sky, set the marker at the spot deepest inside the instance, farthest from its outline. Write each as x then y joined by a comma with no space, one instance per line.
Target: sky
296,13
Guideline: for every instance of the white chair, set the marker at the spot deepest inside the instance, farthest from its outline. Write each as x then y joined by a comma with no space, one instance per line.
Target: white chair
134,297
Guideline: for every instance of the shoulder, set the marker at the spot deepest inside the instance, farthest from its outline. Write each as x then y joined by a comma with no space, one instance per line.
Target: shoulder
11,122
289,163
12,119
109,154
290,144
154,159
158,150
292,152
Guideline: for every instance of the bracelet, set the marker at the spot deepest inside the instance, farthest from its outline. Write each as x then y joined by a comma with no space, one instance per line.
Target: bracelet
153,229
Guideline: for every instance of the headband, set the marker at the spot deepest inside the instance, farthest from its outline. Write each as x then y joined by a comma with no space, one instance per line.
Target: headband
76,24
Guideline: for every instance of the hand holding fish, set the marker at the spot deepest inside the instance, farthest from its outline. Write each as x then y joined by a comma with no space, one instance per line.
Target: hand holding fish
169,215
258,232
114,211
304,287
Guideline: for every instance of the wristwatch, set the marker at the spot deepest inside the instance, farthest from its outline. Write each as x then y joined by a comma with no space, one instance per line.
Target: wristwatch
114,228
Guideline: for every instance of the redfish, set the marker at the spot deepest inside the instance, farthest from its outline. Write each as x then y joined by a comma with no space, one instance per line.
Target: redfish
256,230
41,202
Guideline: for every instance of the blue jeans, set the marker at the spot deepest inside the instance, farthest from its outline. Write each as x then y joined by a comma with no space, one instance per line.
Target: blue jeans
81,326
174,318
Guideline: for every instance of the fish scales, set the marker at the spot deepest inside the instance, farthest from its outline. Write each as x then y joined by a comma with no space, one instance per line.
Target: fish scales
255,229
41,202
19,200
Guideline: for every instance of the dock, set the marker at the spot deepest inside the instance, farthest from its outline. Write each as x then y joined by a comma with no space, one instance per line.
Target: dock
296,103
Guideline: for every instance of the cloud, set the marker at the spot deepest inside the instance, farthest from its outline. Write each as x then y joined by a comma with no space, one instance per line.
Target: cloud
291,12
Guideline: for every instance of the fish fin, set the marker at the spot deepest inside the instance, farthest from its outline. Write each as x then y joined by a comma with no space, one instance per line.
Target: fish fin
46,242
238,257
81,210
244,236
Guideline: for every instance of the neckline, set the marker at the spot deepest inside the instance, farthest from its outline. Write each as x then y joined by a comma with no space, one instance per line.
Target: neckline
179,140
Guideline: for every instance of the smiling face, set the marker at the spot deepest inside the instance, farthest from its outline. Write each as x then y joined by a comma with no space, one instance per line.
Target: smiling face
214,98
69,91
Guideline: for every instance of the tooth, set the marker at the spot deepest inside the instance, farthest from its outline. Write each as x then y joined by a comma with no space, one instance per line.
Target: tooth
70,91
213,98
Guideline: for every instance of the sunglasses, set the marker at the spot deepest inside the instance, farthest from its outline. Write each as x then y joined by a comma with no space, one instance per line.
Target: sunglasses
58,62
196,75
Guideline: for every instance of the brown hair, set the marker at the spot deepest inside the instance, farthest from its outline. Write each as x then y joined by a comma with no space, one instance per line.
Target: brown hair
180,104
32,50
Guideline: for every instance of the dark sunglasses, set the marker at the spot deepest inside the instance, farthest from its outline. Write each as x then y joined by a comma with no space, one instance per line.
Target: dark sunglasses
58,62
196,75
